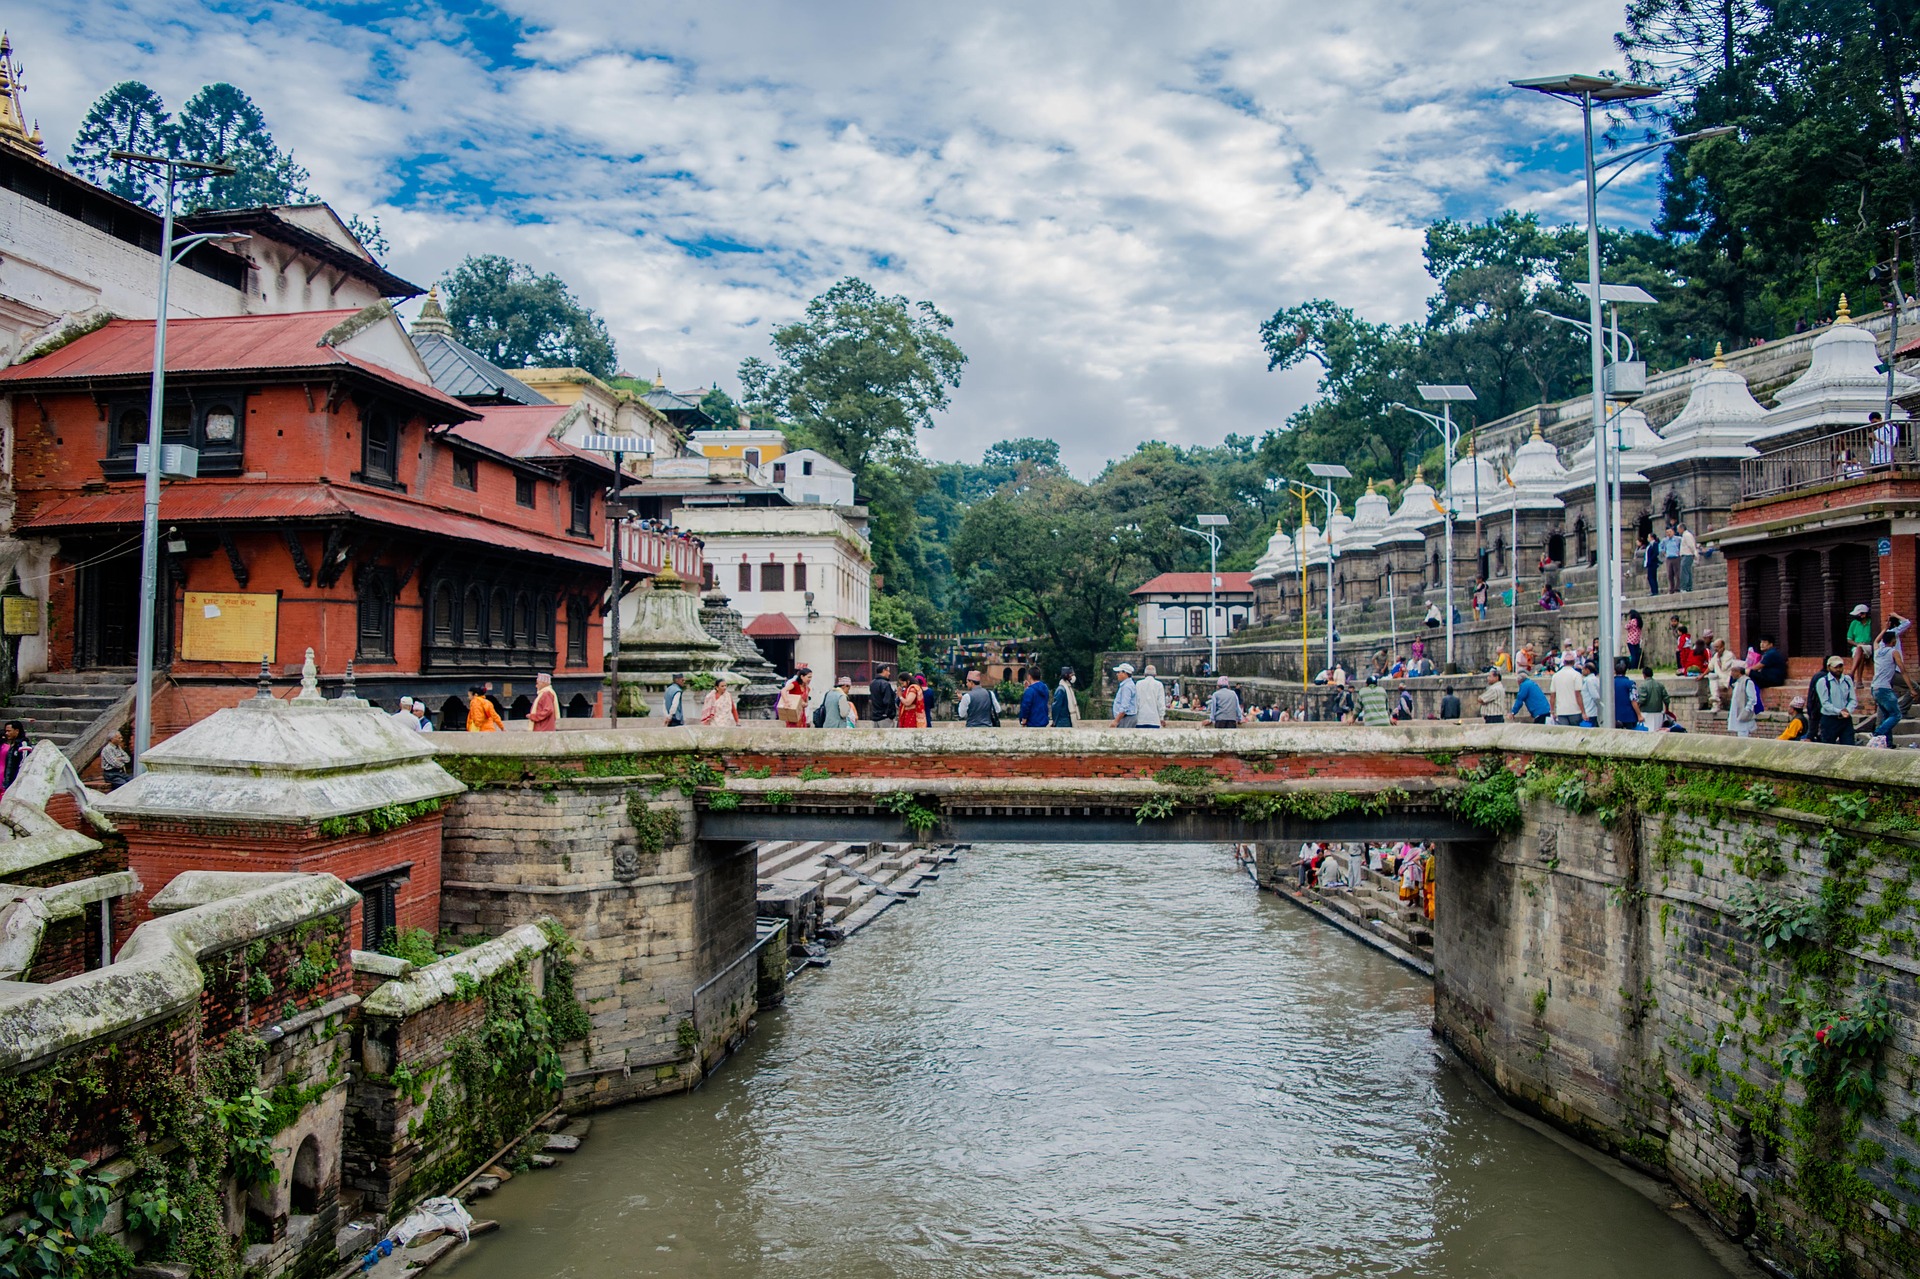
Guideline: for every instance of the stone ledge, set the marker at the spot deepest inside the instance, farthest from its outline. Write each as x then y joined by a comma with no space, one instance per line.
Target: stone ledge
439,982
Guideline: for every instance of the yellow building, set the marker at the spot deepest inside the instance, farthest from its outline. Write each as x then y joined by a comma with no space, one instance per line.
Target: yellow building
754,447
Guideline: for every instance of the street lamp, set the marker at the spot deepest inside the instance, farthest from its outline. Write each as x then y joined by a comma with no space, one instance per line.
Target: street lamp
1328,471
1446,396
171,251
1205,533
1585,90
619,446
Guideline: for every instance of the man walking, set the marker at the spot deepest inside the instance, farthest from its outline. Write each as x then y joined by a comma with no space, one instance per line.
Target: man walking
1152,697
545,715
1886,663
1834,701
883,700
676,701
837,709
1743,702
1689,548
1033,702
977,706
1373,704
1126,698
1063,700
1223,708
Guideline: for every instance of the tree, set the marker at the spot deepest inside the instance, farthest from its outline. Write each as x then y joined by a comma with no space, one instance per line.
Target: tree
220,124
719,406
127,117
860,376
519,319
891,615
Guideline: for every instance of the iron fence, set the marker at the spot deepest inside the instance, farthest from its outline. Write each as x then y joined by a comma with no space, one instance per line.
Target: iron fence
1858,454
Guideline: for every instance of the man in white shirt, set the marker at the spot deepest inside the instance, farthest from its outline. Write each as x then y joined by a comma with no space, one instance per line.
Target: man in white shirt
1689,547
407,716
1566,695
1590,696
1151,695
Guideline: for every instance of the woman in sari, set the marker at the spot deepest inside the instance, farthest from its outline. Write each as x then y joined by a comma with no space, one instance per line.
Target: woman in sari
801,685
718,709
913,703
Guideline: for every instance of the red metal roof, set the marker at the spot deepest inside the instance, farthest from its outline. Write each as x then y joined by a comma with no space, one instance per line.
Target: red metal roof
772,626
217,501
521,430
1196,584
224,344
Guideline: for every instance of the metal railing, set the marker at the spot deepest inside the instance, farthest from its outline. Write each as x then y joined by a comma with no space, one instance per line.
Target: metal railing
1863,453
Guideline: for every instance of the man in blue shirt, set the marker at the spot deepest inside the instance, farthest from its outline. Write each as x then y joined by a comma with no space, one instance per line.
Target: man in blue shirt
1126,698
1626,696
1529,698
1033,702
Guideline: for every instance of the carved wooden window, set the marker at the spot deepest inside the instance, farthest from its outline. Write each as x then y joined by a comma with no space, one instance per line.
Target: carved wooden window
576,632
375,617
465,473
773,577
799,574
523,490
380,447
746,577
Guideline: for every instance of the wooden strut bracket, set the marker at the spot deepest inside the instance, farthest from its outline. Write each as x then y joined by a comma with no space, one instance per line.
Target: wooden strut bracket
238,565
299,554
333,559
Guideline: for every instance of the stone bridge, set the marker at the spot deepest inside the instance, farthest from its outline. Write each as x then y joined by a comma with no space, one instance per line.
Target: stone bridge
1637,936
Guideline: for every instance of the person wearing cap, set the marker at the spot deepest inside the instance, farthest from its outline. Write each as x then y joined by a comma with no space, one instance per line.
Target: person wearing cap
1126,698
544,715
839,705
1743,701
1719,667
1065,706
1859,640
1796,729
1223,708
676,700
977,707
1152,696
406,717
1566,695
1830,704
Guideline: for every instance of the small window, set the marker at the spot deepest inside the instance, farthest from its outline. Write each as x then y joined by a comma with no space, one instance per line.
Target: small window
799,575
500,619
773,577
375,618
523,490
464,476
442,613
221,425
378,446
581,520
176,422
379,918
473,617
576,633
130,431
753,457
806,466
746,577
779,472
1196,621
543,622
708,581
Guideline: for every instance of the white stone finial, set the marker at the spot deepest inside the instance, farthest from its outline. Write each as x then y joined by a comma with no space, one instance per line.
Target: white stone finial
309,680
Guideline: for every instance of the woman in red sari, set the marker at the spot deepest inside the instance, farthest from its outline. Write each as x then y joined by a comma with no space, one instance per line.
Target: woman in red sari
913,703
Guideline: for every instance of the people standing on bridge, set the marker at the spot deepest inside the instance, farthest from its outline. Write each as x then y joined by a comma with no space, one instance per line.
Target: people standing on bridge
1743,701
676,701
1373,705
482,715
1449,705
883,700
1223,708
1065,709
1493,699
1152,695
796,697
1590,694
1653,698
913,702
545,712
837,708
1033,701
1887,664
978,708
1566,694
1626,697
1126,698
1532,699
1832,703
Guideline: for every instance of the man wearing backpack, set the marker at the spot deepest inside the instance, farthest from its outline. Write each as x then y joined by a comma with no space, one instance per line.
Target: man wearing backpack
1833,703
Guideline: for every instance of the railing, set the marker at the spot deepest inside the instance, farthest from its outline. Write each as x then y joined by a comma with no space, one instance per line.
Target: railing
652,550
1863,453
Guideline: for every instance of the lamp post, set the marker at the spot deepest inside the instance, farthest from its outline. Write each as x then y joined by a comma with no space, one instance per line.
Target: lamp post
1208,523
619,446
1328,471
1445,396
171,251
1585,90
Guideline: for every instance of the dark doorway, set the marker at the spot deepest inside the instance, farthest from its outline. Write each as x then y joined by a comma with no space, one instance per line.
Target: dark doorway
779,652
304,1192
107,630
453,716
579,707
1557,548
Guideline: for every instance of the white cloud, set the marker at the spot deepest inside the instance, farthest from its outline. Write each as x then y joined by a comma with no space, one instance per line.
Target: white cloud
1107,198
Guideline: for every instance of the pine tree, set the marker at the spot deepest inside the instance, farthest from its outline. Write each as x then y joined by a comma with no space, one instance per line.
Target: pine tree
221,124
127,117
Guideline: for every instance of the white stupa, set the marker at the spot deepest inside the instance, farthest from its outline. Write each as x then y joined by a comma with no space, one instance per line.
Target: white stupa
1720,417
1843,383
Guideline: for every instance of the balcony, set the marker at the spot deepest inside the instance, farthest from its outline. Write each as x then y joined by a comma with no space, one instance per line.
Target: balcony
1886,450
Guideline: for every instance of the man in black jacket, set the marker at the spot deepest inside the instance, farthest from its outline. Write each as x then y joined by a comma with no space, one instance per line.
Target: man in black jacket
883,701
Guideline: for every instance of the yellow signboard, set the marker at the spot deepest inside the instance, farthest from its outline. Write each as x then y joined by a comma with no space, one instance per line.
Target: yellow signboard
225,626
19,615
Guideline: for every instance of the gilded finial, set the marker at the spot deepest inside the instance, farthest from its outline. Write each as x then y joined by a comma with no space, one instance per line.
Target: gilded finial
1843,316
13,117
1369,486
432,317
1420,474
1537,438
1719,356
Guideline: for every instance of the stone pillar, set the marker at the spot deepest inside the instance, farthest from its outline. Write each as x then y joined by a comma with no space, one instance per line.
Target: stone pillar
302,785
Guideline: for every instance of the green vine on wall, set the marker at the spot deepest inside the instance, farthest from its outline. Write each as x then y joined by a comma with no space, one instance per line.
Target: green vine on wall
377,821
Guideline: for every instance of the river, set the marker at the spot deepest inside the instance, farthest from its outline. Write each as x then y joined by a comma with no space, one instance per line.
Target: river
1109,1061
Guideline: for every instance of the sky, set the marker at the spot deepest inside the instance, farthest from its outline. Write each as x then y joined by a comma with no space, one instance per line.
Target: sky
1108,198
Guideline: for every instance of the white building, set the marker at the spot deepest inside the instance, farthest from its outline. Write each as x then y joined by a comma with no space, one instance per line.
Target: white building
811,478
801,577
1174,608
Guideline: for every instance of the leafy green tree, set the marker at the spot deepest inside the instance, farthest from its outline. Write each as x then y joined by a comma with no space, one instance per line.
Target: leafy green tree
127,117
860,376
719,406
520,319
221,124
894,615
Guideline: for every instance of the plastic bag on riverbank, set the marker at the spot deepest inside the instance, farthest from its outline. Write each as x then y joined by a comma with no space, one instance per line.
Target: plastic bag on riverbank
433,1214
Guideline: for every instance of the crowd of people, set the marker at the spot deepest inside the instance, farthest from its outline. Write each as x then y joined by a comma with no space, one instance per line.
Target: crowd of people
1341,866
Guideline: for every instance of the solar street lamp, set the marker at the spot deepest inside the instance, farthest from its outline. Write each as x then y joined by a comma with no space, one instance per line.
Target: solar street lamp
1446,396
619,446
1328,471
1208,523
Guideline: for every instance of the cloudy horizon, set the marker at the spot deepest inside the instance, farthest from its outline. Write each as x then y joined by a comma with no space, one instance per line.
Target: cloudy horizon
1107,199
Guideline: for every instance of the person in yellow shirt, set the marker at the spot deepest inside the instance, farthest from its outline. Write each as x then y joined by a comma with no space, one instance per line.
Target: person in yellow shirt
1796,730
482,715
